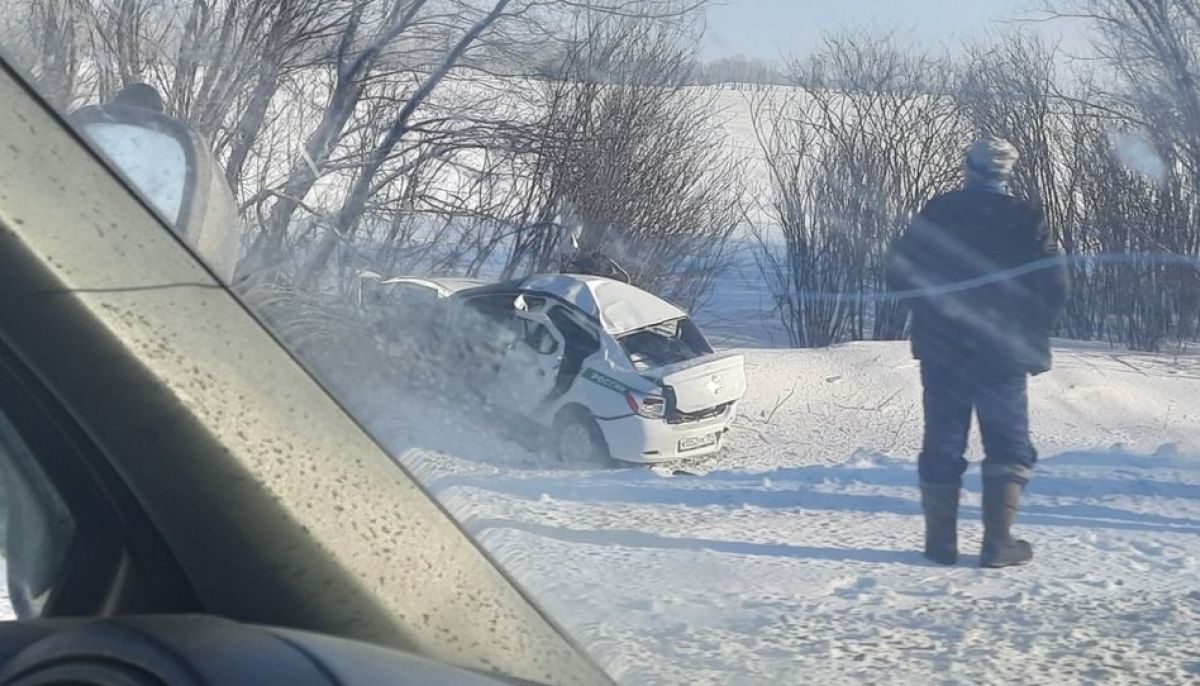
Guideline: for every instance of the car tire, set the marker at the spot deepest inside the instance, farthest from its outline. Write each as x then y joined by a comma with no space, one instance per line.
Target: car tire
577,439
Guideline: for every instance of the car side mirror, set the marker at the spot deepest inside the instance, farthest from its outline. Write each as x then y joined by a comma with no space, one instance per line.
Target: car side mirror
172,168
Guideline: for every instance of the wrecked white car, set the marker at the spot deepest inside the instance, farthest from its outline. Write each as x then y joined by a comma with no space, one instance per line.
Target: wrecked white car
605,369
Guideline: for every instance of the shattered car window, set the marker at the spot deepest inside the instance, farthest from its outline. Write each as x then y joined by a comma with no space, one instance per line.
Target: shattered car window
664,344
539,338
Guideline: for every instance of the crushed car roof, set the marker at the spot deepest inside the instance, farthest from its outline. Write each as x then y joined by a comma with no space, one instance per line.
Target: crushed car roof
619,307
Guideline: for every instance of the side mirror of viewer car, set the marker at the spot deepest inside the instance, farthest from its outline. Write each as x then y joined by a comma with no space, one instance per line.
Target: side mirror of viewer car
170,165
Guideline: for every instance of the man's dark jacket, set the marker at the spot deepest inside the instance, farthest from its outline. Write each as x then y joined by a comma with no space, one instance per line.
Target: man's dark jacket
991,279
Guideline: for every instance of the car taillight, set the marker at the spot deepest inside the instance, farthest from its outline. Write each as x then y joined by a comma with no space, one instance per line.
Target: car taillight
650,406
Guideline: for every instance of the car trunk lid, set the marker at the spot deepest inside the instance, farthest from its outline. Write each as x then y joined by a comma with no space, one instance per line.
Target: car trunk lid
703,382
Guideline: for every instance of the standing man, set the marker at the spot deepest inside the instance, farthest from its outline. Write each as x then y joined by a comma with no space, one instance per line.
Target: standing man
981,272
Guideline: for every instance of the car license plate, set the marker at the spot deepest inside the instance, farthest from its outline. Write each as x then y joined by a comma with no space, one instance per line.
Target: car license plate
697,442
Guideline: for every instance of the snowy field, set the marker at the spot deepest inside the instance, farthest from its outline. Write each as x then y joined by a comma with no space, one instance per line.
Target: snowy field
792,557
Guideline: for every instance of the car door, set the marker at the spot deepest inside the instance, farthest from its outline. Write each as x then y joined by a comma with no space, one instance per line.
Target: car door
407,314
481,331
529,368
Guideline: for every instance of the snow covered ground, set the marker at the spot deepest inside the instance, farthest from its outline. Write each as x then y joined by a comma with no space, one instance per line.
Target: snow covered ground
792,557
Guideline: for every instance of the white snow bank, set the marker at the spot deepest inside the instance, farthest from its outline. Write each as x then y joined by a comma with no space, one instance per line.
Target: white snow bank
794,558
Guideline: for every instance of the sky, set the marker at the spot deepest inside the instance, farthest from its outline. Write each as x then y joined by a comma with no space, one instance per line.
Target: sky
771,28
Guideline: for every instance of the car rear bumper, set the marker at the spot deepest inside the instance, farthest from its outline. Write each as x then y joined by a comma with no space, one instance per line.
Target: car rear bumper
649,441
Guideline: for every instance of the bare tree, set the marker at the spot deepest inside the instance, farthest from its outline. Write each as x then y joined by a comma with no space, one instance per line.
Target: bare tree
1151,45
630,159
405,50
364,184
810,265
1142,173
869,134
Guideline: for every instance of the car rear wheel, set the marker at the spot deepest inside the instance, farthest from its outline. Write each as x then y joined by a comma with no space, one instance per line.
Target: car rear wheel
578,440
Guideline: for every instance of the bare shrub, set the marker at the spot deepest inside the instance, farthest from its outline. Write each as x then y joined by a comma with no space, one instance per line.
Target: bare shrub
868,135
630,161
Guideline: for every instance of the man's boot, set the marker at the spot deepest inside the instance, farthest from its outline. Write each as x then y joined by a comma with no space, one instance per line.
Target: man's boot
940,503
1001,498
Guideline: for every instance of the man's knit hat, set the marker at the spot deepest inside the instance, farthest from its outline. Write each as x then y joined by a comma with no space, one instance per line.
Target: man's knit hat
992,158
